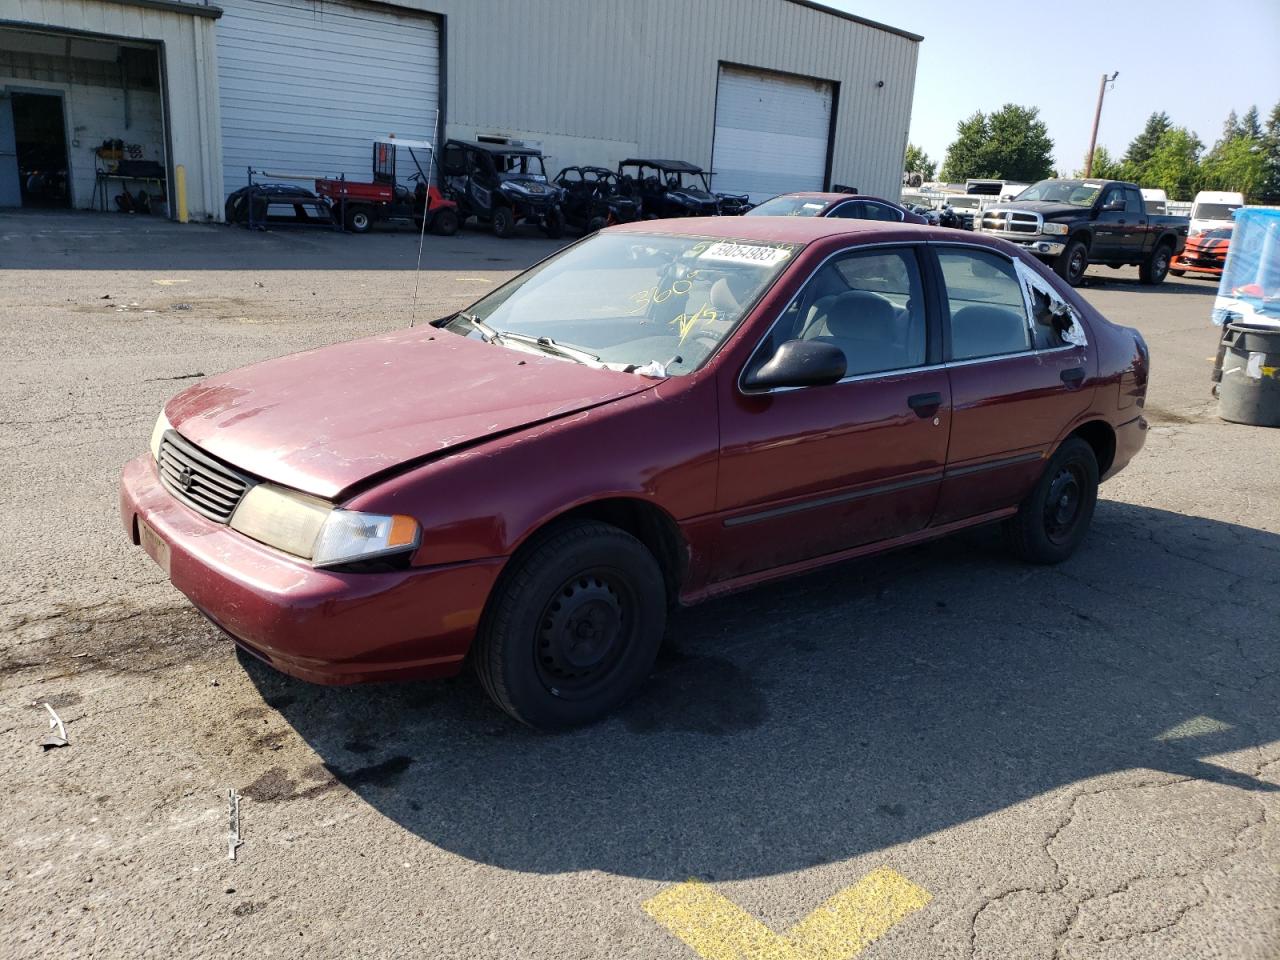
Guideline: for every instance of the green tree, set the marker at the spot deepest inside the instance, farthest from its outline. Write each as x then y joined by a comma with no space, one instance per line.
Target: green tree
1239,164
1105,167
1144,145
1249,124
1013,143
1174,166
965,155
917,161
1270,190
1231,128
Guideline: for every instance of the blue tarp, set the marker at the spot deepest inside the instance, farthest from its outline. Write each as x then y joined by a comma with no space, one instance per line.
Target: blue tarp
1249,291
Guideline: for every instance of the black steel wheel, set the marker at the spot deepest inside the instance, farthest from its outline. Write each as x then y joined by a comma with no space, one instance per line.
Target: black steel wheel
1051,523
1073,262
445,222
572,627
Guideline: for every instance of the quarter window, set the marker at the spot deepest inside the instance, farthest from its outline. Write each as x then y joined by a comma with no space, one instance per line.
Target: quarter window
851,210
987,313
870,304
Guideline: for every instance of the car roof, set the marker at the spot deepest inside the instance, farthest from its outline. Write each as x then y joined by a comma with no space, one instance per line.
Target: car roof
804,230
504,148
676,166
834,197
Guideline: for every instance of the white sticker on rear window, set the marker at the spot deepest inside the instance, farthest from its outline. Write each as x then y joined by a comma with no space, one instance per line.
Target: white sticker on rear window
729,252
1093,186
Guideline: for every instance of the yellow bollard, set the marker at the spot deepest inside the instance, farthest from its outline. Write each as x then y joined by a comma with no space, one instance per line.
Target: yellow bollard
180,191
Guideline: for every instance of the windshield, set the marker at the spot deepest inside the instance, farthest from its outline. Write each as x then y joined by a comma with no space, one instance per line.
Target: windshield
519,167
1214,211
653,304
1078,193
788,207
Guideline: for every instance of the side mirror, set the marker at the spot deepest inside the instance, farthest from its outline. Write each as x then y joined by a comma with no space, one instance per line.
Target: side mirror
799,363
1115,206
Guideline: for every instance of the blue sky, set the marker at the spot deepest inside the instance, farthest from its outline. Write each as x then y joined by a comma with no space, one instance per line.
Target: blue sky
1194,60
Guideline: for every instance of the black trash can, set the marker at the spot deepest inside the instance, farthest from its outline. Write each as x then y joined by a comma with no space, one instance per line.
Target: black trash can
1249,389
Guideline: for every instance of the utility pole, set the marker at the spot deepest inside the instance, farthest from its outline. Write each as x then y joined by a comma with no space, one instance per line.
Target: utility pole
1097,115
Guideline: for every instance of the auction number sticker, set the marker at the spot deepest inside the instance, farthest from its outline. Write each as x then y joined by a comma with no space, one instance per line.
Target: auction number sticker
729,252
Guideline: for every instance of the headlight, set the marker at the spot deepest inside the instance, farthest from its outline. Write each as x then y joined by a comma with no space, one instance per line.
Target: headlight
157,434
1058,228
314,530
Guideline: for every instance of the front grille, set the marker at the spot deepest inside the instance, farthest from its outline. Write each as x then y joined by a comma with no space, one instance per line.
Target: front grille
1012,221
208,486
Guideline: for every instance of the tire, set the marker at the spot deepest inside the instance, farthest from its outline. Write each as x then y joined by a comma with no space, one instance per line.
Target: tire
358,219
445,223
1073,262
573,626
504,222
553,225
1155,268
1051,523
596,223
1178,273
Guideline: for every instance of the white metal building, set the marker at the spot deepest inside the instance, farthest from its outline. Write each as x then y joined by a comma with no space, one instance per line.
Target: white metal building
771,95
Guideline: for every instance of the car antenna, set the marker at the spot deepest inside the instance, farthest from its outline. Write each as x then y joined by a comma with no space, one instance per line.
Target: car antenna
422,231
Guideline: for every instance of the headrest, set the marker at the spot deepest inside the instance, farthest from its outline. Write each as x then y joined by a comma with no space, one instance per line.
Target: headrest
859,315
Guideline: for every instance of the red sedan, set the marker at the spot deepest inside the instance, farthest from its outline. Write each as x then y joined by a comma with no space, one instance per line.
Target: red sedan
657,414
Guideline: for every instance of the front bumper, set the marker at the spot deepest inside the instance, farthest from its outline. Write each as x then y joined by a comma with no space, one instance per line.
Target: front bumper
1192,265
317,625
1034,244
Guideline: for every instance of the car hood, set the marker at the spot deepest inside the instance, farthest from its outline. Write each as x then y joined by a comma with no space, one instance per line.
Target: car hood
1046,208
326,420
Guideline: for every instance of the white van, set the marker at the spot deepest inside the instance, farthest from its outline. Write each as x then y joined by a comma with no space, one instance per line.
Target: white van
1213,209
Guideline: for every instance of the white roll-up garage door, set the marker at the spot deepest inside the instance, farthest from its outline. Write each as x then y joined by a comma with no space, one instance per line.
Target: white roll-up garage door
305,86
771,133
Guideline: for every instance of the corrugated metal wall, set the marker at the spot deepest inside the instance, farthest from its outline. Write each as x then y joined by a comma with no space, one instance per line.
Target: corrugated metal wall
595,80
191,87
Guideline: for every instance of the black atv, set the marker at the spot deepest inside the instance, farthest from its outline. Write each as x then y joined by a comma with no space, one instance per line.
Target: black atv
674,188
592,198
501,185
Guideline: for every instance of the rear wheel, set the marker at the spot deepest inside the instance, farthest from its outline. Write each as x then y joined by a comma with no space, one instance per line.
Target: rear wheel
596,223
358,219
1052,522
1155,268
1073,262
573,626
504,222
445,222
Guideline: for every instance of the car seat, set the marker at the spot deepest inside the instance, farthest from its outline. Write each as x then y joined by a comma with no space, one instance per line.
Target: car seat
865,326
986,331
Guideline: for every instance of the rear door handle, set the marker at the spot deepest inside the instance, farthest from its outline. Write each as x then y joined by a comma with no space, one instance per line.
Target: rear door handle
1073,376
925,404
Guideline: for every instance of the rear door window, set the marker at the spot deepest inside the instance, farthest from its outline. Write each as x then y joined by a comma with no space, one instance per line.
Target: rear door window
987,312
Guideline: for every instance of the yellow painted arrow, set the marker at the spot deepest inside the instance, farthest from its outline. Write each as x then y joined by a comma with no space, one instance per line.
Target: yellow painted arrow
716,928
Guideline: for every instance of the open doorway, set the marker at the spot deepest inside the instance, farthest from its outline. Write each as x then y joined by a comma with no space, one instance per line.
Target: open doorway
40,142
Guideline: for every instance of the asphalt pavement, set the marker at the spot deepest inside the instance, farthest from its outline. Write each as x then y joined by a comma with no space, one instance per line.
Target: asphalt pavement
940,753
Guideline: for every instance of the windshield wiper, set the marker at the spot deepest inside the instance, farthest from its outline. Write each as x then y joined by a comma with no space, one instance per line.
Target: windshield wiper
487,333
548,345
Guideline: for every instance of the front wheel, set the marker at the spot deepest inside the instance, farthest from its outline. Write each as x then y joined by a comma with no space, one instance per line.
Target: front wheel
573,626
1073,262
445,222
504,222
1052,522
1155,268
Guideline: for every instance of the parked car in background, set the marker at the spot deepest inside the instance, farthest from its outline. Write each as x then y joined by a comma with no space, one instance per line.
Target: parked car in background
358,205
592,197
674,188
1073,223
658,414
850,207
1209,234
500,185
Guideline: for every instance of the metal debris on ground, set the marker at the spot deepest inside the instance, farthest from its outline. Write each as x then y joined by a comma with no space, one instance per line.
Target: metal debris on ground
58,739
182,306
233,823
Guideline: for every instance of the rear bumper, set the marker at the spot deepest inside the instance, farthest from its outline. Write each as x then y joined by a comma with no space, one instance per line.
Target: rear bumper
317,625
1130,438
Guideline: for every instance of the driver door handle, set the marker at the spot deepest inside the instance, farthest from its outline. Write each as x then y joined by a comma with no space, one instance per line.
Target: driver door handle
925,404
